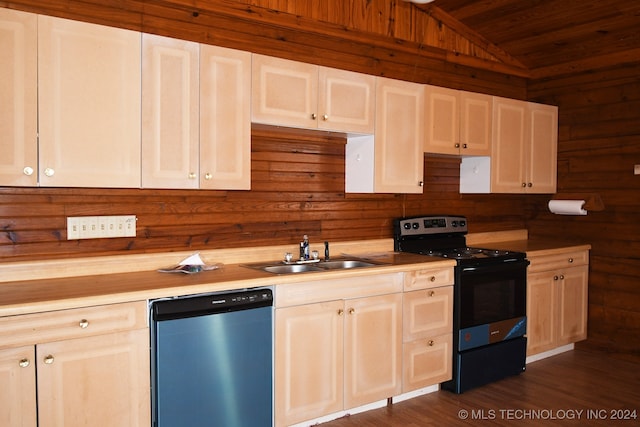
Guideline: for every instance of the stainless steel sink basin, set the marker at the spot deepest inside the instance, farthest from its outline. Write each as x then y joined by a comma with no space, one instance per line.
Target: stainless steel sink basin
290,268
345,264
336,264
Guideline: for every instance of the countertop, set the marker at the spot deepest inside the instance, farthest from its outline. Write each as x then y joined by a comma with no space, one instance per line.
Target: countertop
105,284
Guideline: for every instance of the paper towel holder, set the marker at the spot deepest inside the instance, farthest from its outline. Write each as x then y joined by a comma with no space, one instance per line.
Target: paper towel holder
593,202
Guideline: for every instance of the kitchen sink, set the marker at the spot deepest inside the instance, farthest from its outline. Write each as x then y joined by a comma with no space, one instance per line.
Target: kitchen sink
290,268
332,265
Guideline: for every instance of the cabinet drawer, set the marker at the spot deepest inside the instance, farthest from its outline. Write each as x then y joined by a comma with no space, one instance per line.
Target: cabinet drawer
555,261
424,279
64,324
427,362
427,312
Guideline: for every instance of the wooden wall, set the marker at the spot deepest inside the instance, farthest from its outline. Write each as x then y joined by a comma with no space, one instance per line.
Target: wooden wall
599,144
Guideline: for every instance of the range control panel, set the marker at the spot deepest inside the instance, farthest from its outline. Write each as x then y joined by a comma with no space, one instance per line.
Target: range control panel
421,225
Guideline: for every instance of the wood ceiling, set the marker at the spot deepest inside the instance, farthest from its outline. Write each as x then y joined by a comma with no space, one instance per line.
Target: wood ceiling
552,37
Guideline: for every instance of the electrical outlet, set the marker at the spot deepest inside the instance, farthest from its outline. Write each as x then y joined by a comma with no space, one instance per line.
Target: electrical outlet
97,227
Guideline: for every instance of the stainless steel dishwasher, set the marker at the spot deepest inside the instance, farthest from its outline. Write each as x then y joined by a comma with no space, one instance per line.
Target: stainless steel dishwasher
212,360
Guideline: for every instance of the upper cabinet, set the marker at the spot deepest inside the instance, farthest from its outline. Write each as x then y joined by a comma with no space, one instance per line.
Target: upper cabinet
89,94
399,132
525,150
290,93
170,107
225,118
19,106
457,122
196,125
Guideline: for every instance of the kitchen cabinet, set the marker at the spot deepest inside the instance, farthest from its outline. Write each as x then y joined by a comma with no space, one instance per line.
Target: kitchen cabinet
392,161
225,118
170,109
77,367
19,107
196,129
89,93
296,94
339,351
523,151
427,328
457,122
557,298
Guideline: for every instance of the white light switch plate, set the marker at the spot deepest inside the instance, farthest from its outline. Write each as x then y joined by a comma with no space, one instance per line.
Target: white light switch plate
99,227
636,170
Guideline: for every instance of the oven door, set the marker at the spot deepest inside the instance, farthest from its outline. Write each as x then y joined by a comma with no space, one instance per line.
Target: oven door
491,303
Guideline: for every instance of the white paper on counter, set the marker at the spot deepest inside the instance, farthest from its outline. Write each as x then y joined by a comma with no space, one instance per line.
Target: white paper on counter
567,207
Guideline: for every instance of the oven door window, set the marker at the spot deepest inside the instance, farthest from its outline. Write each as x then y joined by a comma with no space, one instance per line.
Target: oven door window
490,294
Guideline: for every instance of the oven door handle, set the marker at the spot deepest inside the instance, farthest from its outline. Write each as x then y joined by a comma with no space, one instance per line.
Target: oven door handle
500,267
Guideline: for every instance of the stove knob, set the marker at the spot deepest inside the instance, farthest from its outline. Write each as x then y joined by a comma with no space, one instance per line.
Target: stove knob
416,225
406,226
454,223
463,223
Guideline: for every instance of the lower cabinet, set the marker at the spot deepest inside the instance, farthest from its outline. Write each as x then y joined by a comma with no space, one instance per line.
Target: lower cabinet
336,355
557,300
76,367
427,329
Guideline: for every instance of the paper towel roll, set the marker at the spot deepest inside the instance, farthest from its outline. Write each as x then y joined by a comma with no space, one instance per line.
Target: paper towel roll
567,207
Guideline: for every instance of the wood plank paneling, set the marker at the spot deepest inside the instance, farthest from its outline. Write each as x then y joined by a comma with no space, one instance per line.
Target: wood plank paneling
598,146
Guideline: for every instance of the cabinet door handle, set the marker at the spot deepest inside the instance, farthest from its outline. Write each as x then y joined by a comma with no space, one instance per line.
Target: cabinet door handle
49,360
314,116
431,343
340,312
192,175
530,184
208,176
352,310
28,171
524,184
84,323
555,277
24,363
457,145
325,117
420,183
562,277
49,172
464,145
432,293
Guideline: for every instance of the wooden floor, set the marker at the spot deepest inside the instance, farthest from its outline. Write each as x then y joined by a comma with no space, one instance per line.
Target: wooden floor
574,388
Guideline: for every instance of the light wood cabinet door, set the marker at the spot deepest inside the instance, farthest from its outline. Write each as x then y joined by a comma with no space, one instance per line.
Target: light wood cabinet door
89,104
427,362
573,305
476,117
399,136
508,162
225,118
284,92
309,361
100,380
542,301
346,101
373,349
542,148
427,313
19,99
170,112
442,124
18,387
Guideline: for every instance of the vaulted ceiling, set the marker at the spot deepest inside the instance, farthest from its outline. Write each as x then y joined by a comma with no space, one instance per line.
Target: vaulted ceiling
552,37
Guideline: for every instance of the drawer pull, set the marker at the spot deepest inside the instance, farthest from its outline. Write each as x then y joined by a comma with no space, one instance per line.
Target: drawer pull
431,343
432,293
49,360
432,278
24,363
84,324
570,260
